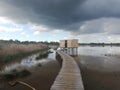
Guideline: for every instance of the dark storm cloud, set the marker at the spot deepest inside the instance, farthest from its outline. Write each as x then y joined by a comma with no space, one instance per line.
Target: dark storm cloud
58,14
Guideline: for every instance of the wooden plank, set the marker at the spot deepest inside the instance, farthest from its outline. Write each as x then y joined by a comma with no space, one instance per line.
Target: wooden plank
69,77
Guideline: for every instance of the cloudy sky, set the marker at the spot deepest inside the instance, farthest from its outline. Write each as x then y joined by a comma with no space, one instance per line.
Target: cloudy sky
52,20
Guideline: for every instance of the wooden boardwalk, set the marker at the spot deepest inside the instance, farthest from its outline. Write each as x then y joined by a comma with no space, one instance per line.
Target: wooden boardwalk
69,77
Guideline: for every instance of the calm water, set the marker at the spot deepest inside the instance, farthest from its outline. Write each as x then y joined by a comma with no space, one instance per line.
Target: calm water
100,58
27,63
41,76
100,67
98,51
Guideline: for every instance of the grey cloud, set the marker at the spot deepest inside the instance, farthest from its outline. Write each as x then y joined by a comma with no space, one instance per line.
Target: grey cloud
59,14
101,8
54,13
106,26
99,38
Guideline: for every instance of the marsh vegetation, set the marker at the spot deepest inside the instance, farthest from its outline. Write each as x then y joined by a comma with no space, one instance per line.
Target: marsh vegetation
10,52
14,74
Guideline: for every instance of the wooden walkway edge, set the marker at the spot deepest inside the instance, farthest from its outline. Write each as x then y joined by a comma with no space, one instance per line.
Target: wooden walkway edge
69,77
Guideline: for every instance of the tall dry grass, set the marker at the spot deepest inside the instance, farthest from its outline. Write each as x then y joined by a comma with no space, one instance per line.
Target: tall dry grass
13,49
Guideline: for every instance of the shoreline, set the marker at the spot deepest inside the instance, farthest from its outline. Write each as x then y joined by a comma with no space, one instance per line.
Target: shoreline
41,78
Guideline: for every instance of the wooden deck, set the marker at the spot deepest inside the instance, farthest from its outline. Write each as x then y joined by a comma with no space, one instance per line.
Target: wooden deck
69,77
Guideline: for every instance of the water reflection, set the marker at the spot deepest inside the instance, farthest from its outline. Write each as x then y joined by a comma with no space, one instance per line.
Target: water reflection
52,54
98,51
100,67
100,58
28,62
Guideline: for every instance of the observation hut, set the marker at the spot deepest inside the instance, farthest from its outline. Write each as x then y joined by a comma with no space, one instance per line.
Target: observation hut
69,46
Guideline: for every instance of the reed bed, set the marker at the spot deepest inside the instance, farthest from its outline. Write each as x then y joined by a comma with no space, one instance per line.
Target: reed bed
13,51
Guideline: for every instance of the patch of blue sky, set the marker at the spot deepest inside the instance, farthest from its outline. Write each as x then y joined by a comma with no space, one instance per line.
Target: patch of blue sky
7,24
28,34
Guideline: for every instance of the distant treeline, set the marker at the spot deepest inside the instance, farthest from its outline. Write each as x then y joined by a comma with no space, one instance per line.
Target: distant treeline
28,42
93,44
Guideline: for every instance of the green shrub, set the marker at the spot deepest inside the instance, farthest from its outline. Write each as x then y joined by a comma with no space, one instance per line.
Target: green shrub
23,73
12,75
39,64
7,76
43,55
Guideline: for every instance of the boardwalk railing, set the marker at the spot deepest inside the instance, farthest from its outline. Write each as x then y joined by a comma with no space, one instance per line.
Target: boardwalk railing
69,77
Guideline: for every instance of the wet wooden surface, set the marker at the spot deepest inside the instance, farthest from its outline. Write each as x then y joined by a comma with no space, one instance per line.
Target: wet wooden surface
69,77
